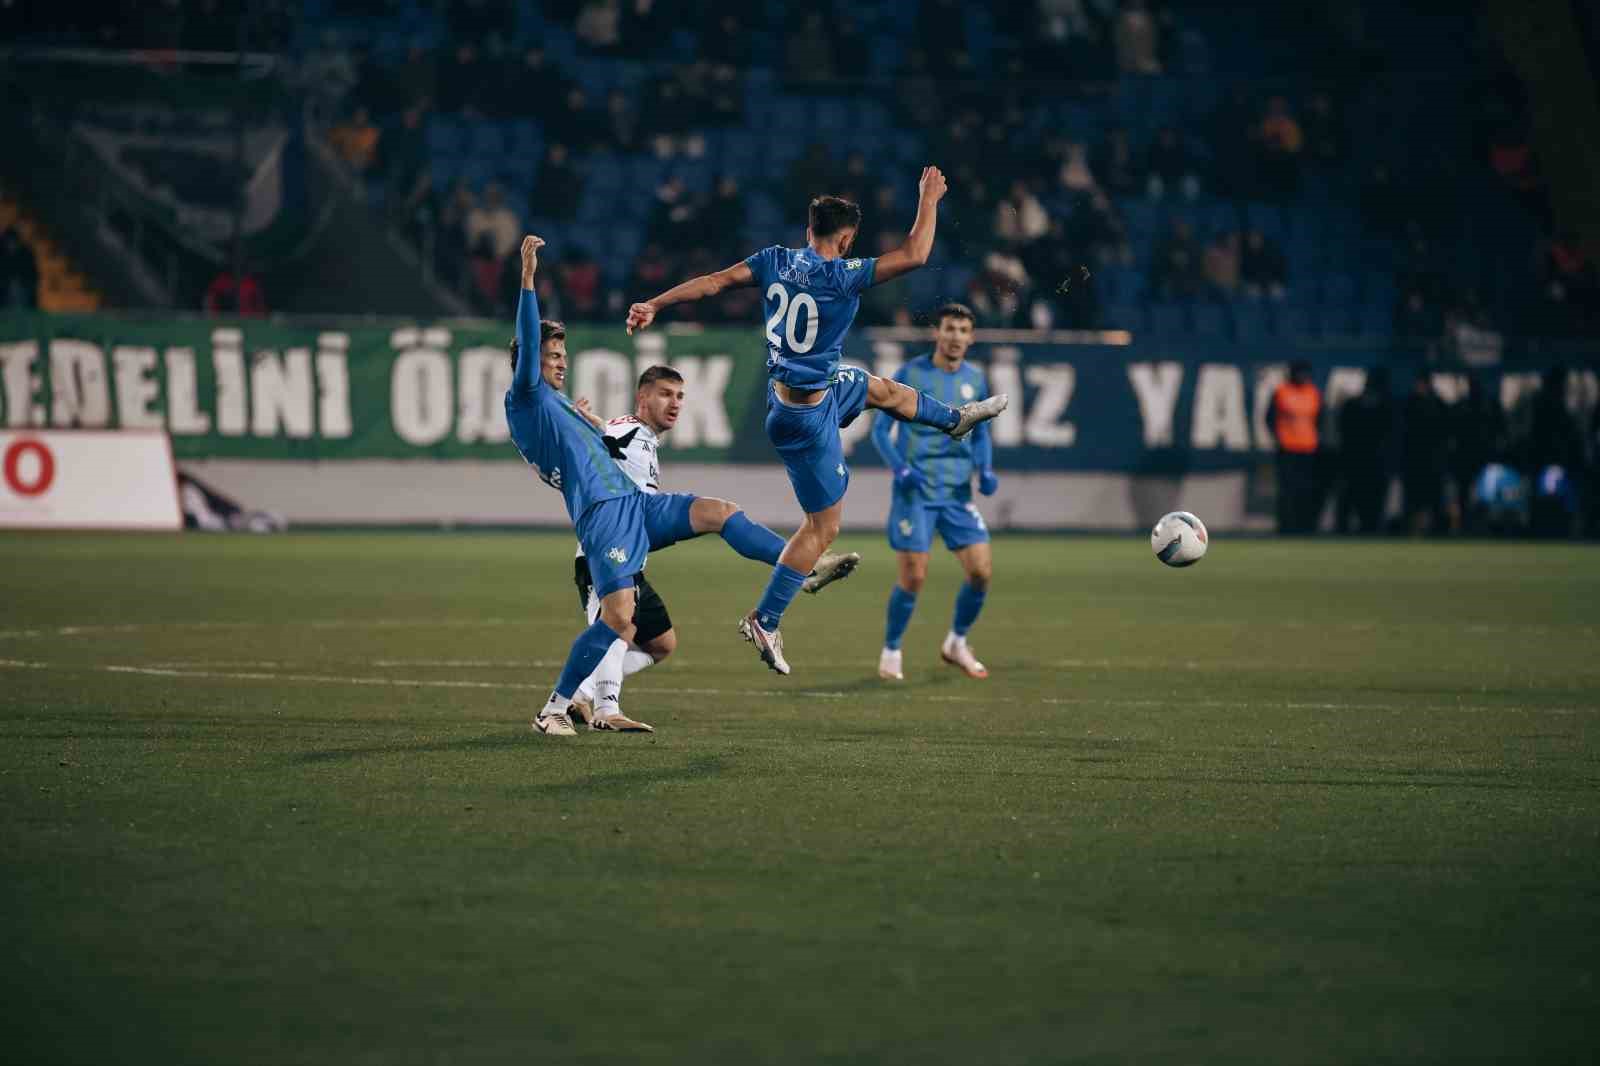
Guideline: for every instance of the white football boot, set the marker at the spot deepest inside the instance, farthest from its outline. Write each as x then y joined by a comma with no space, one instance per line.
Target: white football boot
889,665
958,653
770,645
613,720
830,568
975,412
554,725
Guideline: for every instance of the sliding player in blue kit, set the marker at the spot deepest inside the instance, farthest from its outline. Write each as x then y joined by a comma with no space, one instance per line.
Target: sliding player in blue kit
811,298
617,524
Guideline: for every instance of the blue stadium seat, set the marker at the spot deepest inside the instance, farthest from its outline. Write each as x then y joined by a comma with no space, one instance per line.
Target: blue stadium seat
1128,316
1337,290
445,135
1249,321
485,139
1291,321
1210,319
1168,319
1375,321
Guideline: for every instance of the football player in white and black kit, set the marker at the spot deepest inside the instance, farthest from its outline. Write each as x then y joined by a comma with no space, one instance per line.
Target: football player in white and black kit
633,441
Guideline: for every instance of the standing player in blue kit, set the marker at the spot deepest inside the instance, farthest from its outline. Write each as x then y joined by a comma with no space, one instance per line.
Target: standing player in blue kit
812,294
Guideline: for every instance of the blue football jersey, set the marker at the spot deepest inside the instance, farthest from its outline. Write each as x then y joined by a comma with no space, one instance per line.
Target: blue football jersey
809,303
562,446
947,464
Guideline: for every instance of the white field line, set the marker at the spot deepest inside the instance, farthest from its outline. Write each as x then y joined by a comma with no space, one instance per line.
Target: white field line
516,686
329,623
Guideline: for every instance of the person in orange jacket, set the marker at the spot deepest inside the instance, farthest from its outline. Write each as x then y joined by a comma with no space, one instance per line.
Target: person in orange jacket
1296,407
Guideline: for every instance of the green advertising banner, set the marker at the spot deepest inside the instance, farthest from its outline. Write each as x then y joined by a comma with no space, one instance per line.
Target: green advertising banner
247,389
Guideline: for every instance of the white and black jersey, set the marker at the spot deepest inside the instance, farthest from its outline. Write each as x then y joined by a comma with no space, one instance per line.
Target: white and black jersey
633,445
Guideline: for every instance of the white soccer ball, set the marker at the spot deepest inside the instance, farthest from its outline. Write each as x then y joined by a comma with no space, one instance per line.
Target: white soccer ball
1179,539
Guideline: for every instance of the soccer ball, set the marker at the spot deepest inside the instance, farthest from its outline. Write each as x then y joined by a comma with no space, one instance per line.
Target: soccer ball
1179,539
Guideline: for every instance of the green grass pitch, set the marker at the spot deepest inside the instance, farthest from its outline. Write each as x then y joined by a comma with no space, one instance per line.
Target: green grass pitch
276,801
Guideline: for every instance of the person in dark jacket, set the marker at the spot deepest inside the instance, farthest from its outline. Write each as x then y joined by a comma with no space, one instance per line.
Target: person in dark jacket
1366,431
1426,436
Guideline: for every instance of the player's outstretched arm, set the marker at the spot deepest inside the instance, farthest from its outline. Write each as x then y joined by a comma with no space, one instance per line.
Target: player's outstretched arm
526,377
640,315
919,242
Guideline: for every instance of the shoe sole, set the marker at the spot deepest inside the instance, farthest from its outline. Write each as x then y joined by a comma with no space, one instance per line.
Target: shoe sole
890,677
840,572
984,676
636,727
960,434
762,647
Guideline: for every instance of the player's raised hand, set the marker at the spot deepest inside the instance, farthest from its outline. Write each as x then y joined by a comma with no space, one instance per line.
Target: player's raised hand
530,253
640,316
932,187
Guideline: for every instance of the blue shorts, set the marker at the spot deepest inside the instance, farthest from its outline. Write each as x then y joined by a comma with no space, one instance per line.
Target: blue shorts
617,534
912,522
807,439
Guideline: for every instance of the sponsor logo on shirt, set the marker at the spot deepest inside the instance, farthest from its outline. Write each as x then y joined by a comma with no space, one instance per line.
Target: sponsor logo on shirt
852,264
617,555
968,392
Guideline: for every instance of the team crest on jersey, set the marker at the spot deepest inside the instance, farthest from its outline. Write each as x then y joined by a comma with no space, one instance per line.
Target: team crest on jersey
840,470
967,391
905,527
617,555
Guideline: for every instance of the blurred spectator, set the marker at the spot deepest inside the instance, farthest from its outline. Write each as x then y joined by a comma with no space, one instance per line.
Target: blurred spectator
667,121
809,176
1292,416
674,217
1325,138
493,219
417,79
1075,174
559,188
572,122
1175,264
1115,165
578,276
536,83
652,271
918,101
941,27
450,234
1263,271
406,173
599,25
463,84
1416,323
729,43
1511,157
646,22
19,273
1279,142
723,217
484,270
1074,32
1426,436
622,122
1382,206
356,141
1020,218
1220,264
880,303
1170,167
1553,435
856,182
1477,437
999,292
1137,40
227,295
328,73
1366,428
808,53
1095,227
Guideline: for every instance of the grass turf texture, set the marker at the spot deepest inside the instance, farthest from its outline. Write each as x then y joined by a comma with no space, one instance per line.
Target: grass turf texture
1306,802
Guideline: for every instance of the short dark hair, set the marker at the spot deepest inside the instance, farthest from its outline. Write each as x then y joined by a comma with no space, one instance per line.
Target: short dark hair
659,373
955,310
830,214
549,329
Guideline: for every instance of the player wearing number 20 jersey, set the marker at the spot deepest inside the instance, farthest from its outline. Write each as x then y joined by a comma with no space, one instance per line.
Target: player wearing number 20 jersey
811,296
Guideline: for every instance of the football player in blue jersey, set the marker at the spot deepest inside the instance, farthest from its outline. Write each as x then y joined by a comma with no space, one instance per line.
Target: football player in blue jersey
811,298
617,524
933,490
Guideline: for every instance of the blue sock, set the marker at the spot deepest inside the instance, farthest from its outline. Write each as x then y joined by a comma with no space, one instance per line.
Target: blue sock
931,412
781,591
587,651
969,601
752,539
901,604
